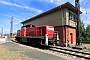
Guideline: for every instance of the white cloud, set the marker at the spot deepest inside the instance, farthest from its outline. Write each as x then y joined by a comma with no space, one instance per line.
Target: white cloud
85,16
15,19
6,15
85,13
83,1
51,1
58,2
16,5
85,10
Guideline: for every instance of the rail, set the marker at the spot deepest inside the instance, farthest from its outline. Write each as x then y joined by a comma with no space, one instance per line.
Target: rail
74,52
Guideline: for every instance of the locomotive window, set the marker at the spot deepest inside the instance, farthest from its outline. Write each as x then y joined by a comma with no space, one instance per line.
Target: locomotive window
33,26
22,26
27,26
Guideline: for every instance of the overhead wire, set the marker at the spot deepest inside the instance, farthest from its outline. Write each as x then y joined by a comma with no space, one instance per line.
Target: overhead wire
86,10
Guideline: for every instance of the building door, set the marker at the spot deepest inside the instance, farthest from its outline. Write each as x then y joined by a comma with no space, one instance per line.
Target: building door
71,38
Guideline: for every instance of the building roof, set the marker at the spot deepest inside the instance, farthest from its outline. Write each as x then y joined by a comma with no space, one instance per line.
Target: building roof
65,5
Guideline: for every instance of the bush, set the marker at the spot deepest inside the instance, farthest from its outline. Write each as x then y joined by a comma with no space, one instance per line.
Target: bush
82,38
87,38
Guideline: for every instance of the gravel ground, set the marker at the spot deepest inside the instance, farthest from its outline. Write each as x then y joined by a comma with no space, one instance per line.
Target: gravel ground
17,56
65,56
31,53
5,54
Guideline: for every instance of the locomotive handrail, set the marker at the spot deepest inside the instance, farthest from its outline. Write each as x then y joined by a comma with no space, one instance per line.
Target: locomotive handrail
34,33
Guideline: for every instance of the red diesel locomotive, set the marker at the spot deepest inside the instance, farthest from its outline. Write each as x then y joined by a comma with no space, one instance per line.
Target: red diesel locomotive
37,35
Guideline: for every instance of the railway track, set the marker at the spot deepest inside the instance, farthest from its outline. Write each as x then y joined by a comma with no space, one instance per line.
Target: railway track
70,51
74,52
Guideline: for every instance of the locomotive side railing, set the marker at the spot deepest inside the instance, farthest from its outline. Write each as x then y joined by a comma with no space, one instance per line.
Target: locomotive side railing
35,33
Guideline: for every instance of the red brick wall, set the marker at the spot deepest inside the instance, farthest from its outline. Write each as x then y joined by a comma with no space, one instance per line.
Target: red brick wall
68,32
70,35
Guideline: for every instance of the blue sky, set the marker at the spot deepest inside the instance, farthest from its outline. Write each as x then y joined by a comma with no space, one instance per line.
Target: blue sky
22,9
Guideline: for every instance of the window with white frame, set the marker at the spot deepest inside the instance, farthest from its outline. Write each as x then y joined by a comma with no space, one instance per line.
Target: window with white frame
71,16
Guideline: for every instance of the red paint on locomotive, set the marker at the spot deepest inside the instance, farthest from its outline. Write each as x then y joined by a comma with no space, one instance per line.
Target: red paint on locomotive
36,31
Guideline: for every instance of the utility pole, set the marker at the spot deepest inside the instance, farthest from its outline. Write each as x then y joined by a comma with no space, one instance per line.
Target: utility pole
1,31
11,27
78,34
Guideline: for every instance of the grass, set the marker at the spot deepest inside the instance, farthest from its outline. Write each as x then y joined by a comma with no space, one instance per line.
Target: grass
87,46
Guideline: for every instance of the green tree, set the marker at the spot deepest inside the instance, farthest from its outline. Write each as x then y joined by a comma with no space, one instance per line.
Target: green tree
88,32
85,33
82,29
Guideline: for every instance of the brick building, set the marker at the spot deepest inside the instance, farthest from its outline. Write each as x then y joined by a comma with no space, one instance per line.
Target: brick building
63,18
